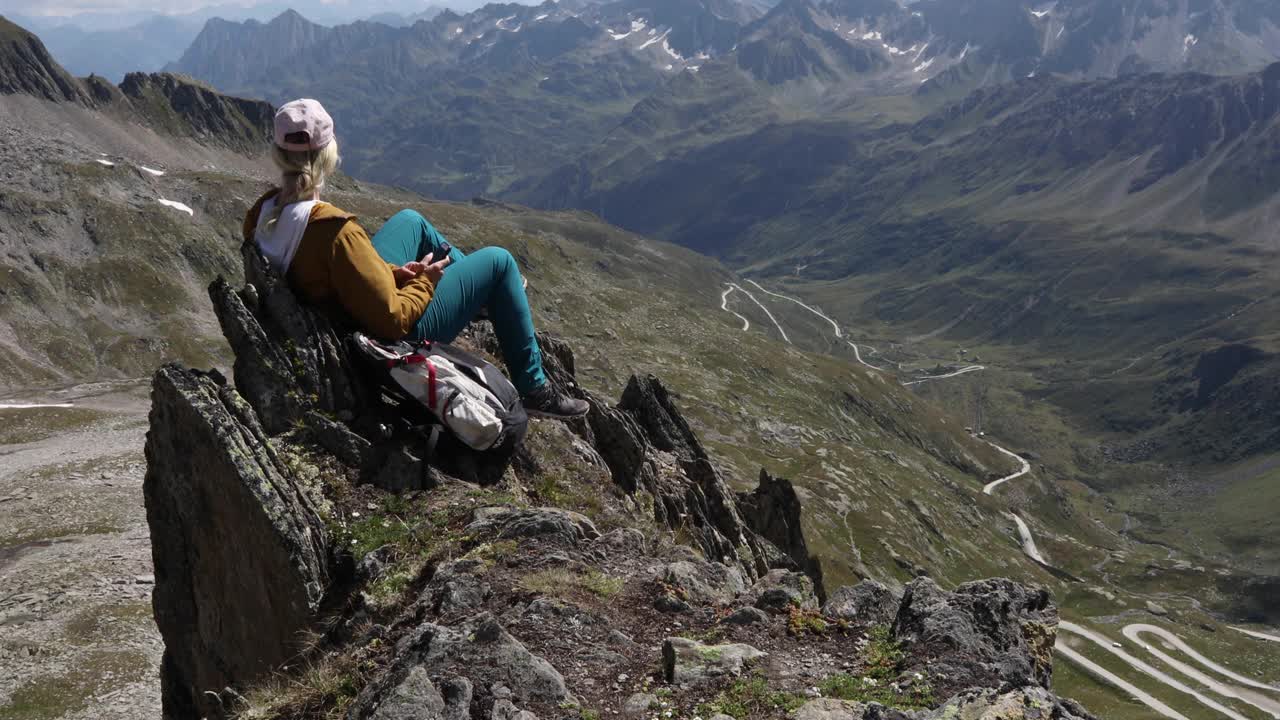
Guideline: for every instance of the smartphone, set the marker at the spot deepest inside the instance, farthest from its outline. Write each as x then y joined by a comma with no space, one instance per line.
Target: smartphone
440,253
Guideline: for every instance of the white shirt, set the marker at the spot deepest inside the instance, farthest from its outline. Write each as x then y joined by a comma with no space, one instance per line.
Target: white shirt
281,242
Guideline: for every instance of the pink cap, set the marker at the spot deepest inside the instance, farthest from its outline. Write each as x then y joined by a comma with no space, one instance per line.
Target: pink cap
303,125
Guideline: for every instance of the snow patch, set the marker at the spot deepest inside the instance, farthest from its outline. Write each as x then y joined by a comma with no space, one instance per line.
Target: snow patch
1039,13
924,65
669,67
693,68
177,206
543,16
108,163
636,26
667,47
654,41
1188,42
457,31
964,53
151,171
873,35
29,406
1060,31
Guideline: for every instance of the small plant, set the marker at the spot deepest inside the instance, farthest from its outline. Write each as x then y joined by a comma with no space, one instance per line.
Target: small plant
749,697
560,582
880,683
801,622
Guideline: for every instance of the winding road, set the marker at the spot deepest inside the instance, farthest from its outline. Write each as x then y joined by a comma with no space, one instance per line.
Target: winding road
834,326
1109,677
735,286
1256,634
1209,677
858,355
724,305
961,371
1132,632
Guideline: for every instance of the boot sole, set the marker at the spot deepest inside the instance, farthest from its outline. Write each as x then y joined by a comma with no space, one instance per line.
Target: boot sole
555,416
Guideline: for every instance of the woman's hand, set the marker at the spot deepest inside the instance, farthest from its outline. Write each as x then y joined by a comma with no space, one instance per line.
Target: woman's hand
406,272
435,270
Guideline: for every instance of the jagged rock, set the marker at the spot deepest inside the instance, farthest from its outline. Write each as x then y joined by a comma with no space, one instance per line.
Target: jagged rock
650,448
240,549
501,523
481,650
416,698
504,709
289,359
780,590
689,661
1031,703
625,540
702,582
1028,703
456,587
746,616
867,602
984,634
773,511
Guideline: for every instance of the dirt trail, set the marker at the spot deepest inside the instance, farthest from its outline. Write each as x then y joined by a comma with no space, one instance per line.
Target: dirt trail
76,635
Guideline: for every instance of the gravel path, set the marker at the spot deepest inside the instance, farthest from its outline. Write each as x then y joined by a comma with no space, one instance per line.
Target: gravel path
76,635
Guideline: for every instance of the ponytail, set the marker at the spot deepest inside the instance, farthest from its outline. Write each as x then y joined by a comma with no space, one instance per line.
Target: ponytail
302,175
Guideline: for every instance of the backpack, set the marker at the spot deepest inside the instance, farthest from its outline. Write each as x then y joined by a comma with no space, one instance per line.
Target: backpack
465,395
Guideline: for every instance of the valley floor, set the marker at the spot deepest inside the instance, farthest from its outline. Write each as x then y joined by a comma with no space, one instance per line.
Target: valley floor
76,635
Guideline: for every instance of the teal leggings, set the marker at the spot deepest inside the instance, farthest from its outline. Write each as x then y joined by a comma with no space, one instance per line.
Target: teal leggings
487,277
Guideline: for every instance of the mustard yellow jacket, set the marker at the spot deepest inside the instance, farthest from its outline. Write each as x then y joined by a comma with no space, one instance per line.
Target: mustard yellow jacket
336,262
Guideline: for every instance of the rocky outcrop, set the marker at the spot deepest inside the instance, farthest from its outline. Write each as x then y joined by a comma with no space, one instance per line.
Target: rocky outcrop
431,657
867,602
651,450
26,67
773,511
504,606
991,633
1028,703
241,552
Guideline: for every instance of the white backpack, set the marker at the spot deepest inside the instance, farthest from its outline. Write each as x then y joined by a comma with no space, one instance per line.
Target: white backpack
468,396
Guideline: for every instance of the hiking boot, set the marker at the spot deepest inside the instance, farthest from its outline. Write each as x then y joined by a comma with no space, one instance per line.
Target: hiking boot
548,402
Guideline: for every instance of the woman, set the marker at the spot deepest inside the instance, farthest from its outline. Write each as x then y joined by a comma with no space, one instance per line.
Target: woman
388,285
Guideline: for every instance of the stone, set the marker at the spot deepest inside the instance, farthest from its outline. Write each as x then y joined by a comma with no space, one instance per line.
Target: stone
702,582
240,548
746,616
456,587
1028,703
638,704
689,661
780,590
416,697
490,655
868,602
831,709
502,523
1157,609
504,709
987,633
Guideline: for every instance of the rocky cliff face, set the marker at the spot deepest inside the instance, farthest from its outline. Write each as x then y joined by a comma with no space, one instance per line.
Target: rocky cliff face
541,584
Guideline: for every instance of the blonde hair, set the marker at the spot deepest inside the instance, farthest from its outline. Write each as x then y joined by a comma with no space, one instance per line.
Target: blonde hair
302,174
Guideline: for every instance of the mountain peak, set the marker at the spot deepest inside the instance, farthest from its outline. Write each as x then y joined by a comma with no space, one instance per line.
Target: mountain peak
27,67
